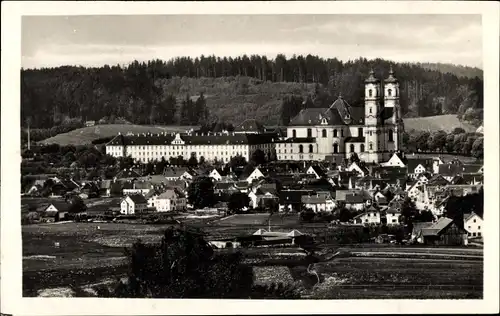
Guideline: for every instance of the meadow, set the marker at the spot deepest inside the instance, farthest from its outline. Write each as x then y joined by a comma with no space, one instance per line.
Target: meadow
86,135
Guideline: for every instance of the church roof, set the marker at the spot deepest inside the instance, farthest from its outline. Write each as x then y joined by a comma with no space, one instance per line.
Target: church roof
371,78
391,78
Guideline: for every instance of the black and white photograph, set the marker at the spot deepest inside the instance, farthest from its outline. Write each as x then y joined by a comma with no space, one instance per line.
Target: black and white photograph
254,156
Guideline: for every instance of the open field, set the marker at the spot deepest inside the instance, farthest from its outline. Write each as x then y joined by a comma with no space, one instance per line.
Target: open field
86,135
445,122
91,252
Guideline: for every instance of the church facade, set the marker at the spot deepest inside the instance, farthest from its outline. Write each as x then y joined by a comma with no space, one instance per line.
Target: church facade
373,132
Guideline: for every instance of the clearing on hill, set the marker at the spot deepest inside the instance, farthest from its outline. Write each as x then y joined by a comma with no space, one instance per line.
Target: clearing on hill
86,135
446,123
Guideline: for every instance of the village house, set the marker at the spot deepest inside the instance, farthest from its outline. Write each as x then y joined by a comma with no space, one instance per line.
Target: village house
442,232
127,174
178,173
418,166
291,200
217,174
258,195
370,217
255,175
133,204
56,211
472,224
317,171
105,188
169,200
319,202
353,199
362,171
137,187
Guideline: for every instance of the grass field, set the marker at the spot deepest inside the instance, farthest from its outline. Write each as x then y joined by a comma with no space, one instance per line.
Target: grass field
86,135
445,157
435,123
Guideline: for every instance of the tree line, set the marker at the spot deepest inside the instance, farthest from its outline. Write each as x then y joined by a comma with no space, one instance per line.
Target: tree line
457,142
136,93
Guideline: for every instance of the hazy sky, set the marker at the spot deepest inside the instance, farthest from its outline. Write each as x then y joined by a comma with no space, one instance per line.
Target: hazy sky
98,40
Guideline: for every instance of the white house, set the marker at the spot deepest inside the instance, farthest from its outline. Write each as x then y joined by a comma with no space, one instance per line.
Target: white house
257,195
472,224
170,200
392,217
256,174
216,175
319,202
396,160
133,204
368,218
362,171
136,187
316,171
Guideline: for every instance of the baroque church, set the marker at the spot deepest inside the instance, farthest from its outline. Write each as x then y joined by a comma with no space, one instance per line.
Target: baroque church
373,132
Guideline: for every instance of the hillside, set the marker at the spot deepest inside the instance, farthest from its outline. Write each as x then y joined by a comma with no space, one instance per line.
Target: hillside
435,123
457,70
86,135
157,92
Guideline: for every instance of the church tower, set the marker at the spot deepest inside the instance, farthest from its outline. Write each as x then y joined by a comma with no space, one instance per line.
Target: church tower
372,119
391,101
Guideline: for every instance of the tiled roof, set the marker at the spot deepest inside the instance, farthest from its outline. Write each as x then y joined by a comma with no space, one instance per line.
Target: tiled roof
194,139
128,173
413,163
314,199
391,78
138,199
437,227
292,196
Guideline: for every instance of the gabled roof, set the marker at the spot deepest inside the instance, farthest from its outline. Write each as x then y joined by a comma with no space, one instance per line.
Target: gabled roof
413,163
471,168
318,170
61,206
438,180
138,199
292,196
468,216
437,227
450,169
250,125
127,173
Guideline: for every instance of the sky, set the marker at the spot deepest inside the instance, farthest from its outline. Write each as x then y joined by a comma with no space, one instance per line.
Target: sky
49,41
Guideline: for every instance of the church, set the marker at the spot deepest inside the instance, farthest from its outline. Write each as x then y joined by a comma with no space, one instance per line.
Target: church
373,132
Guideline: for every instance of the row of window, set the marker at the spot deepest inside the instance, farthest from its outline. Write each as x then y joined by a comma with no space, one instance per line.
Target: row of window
324,133
389,92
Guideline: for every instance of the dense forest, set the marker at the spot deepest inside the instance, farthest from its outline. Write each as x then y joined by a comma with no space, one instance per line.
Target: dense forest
157,92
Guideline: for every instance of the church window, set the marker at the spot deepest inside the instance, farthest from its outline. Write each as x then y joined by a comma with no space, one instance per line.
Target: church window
360,131
323,133
352,148
294,133
391,136
371,146
342,133
309,132
335,133
362,148
311,148
371,133
335,148
370,92
301,149
389,92
370,110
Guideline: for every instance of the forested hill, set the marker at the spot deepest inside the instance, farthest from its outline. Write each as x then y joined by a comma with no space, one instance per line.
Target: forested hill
165,93
457,70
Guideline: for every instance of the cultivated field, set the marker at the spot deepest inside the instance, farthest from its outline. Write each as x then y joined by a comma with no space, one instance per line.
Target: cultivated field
91,252
435,123
86,135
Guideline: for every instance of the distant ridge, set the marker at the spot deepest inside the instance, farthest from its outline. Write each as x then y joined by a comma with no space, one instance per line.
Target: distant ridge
457,70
